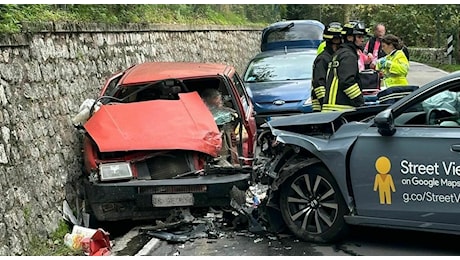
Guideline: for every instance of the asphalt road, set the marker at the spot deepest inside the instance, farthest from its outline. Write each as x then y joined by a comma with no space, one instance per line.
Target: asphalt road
362,241
420,74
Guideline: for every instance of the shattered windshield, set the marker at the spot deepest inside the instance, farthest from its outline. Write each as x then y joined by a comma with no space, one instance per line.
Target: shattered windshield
290,66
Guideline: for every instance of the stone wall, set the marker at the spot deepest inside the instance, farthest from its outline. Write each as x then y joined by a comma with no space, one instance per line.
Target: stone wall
45,74
429,55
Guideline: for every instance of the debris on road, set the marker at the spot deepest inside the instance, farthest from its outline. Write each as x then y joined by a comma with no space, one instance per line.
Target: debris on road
93,242
257,240
181,226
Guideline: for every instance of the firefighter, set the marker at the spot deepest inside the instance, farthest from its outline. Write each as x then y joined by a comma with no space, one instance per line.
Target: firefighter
323,43
342,84
332,37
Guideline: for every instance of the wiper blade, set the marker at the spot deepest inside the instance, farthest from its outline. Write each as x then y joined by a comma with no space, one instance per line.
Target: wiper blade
285,28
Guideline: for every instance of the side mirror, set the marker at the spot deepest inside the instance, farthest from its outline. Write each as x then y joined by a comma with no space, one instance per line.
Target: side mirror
385,123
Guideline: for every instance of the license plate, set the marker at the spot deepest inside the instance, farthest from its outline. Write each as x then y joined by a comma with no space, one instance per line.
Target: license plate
172,200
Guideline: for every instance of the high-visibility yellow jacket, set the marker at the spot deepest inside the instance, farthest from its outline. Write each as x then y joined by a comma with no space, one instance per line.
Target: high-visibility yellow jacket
395,68
321,47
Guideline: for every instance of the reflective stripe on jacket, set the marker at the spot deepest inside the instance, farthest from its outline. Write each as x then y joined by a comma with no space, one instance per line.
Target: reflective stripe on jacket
342,85
393,94
395,69
319,74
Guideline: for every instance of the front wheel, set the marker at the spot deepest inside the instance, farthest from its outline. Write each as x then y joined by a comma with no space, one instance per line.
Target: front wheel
312,206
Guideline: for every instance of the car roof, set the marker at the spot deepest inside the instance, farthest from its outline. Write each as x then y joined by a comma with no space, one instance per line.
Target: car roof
287,22
154,71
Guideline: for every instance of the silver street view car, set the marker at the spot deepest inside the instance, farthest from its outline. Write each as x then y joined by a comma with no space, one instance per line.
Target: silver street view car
392,166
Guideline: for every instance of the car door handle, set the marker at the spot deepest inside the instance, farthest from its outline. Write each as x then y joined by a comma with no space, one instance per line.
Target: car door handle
456,147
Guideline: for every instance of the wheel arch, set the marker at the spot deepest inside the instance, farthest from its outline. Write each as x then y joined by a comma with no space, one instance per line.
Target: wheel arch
337,228
297,150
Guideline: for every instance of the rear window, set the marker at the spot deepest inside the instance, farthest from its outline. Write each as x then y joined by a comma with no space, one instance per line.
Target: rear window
295,33
291,66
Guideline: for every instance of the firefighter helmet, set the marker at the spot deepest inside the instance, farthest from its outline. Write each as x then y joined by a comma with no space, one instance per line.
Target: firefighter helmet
333,30
354,28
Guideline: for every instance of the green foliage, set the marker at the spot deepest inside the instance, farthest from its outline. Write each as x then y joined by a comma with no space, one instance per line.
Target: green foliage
54,245
333,13
418,25
447,67
11,16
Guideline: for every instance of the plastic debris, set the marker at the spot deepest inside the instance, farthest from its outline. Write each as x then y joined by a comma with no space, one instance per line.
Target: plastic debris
257,240
68,214
90,241
255,201
84,111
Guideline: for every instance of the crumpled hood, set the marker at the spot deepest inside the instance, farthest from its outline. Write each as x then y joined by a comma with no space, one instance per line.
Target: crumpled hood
286,90
184,124
304,119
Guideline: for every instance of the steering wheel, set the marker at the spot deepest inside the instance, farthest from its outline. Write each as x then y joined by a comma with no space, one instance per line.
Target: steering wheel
182,86
436,116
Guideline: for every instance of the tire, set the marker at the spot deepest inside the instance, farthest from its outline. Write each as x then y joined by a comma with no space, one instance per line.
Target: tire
312,205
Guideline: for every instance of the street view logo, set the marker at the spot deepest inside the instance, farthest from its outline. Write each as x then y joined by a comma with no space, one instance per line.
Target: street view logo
383,180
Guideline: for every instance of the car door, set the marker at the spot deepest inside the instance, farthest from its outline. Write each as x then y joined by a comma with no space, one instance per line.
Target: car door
249,123
413,174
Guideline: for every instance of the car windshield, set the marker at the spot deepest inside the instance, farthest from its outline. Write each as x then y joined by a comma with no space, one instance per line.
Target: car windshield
290,66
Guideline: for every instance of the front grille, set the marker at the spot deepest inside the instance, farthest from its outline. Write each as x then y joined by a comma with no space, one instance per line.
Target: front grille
165,166
173,189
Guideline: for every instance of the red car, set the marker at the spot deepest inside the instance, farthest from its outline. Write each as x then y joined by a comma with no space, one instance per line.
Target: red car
151,144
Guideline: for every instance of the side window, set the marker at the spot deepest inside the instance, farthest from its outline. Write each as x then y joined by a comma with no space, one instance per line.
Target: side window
111,86
241,92
439,110
443,109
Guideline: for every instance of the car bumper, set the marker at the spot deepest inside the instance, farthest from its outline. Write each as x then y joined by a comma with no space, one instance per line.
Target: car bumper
133,200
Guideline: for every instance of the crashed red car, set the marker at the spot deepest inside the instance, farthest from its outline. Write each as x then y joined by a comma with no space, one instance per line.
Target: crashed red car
151,144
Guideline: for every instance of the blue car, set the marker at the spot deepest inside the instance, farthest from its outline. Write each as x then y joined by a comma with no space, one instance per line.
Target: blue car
292,34
279,82
278,79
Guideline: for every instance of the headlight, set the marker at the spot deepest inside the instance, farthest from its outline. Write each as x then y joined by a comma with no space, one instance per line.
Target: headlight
115,171
307,102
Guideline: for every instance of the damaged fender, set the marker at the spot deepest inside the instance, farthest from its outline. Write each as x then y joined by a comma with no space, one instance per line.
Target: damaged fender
333,148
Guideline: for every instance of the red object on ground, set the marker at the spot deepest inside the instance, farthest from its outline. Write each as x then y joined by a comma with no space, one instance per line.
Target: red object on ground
98,244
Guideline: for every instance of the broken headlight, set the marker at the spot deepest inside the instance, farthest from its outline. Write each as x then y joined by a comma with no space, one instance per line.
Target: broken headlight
115,171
